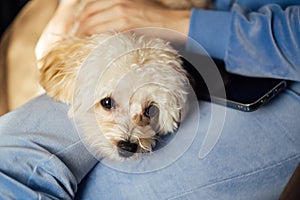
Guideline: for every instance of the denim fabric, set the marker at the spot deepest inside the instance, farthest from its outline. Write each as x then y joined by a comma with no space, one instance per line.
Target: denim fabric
42,157
39,153
264,43
254,38
253,159
204,25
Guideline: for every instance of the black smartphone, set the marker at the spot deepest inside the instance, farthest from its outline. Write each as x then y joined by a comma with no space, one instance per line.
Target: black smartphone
242,93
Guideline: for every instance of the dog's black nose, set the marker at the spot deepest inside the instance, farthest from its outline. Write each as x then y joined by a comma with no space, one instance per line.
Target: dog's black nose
126,148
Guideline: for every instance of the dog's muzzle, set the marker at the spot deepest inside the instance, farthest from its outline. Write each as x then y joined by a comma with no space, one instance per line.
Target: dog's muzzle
126,148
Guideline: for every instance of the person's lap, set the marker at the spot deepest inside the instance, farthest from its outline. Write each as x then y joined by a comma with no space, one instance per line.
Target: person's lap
41,153
253,158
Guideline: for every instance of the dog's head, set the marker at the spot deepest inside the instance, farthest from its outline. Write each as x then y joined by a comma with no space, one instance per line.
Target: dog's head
124,90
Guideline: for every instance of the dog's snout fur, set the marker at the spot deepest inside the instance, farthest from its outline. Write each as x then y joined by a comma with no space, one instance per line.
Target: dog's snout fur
141,120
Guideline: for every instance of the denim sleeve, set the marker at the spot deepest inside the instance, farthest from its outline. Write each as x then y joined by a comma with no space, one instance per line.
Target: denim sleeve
264,43
211,30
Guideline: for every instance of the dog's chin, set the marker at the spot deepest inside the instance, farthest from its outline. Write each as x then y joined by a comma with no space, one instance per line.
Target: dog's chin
119,149
114,142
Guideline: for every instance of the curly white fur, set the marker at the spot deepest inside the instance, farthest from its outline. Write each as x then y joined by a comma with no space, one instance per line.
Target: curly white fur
136,72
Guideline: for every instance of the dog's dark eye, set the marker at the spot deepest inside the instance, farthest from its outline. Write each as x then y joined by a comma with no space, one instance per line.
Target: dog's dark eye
151,111
108,103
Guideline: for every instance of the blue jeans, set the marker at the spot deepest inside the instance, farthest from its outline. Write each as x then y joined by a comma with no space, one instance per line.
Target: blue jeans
42,157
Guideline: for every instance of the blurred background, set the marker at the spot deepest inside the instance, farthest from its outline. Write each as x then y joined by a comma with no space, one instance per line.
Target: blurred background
8,11
21,23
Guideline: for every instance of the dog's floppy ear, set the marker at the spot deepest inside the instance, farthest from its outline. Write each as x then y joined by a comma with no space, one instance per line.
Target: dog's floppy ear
58,69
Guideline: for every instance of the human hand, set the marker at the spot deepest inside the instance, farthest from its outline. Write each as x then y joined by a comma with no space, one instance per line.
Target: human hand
122,15
108,15
61,23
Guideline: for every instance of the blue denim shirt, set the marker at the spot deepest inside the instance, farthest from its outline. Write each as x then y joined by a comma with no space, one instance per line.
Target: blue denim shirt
254,38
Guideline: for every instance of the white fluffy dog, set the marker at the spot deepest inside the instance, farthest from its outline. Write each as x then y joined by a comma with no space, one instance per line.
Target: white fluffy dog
124,90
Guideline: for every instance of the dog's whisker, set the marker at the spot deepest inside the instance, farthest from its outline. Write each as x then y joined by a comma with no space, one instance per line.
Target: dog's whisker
142,144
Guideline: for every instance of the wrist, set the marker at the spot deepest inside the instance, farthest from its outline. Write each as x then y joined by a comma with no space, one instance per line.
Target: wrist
64,16
181,21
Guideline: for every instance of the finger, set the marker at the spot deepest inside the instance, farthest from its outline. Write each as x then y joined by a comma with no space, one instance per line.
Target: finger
104,16
117,25
114,14
98,6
